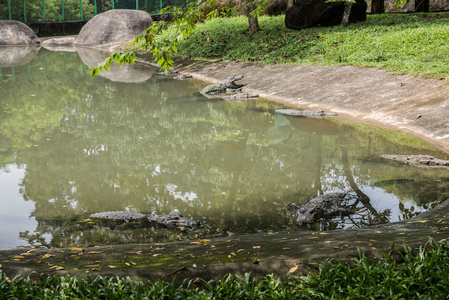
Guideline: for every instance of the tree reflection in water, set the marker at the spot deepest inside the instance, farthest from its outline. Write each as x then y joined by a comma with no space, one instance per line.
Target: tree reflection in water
159,147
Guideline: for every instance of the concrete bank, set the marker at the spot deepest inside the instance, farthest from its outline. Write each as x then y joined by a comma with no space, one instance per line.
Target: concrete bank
403,102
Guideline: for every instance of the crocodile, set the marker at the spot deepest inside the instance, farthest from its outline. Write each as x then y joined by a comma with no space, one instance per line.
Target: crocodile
170,220
321,207
222,87
183,77
239,97
418,160
306,113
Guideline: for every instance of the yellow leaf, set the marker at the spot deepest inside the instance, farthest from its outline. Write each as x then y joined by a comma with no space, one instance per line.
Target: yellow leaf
423,221
327,242
439,221
229,256
47,256
93,252
32,250
128,264
372,240
75,249
92,266
57,268
293,270
286,248
178,251
194,265
370,245
313,238
195,243
205,241
378,232
111,267
257,247
270,233
324,233
26,253
18,257
240,250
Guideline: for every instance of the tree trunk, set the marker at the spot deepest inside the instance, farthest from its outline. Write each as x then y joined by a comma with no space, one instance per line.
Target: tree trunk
346,14
421,6
289,3
253,21
377,7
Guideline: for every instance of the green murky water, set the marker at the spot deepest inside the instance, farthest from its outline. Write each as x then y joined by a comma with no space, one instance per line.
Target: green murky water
71,146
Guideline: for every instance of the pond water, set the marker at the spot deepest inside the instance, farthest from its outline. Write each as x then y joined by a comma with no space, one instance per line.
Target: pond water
140,141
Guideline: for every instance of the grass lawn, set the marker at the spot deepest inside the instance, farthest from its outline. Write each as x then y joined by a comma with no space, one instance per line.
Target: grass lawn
416,44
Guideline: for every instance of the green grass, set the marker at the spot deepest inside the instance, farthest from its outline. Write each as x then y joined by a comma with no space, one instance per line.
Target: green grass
415,44
422,274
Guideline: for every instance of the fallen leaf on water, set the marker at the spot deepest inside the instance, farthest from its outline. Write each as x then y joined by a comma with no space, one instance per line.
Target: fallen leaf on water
257,247
256,261
94,269
233,254
15,259
47,256
26,253
240,250
293,270
401,233
378,232
229,256
32,250
370,245
111,267
372,240
18,257
205,241
336,247
212,246
90,222
327,242
270,233
324,233
314,238
159,249
178,251
286,248
92,266
195,243
439,221
156,254
75,249
423,221
57,268
194,265
133,263
61,251
93,252
128,264
228,241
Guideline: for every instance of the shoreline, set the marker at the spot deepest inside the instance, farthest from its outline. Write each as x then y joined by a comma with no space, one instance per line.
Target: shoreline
364,95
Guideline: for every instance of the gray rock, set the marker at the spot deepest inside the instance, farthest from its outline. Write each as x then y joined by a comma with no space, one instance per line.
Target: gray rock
310,13
15,33
418,160
171,220
321,207
113,27
13,56
127,73
215,90
306,113
60,44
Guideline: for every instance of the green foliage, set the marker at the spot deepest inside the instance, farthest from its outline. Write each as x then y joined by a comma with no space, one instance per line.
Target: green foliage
413,43
422,274
53,10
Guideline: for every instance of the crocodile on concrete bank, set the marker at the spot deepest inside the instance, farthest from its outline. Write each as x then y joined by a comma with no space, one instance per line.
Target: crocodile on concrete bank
171,220
418,160
221,88
321,207
306,113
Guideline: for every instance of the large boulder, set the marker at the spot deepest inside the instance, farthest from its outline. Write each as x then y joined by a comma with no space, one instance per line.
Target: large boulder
15,33
310,13
113,27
